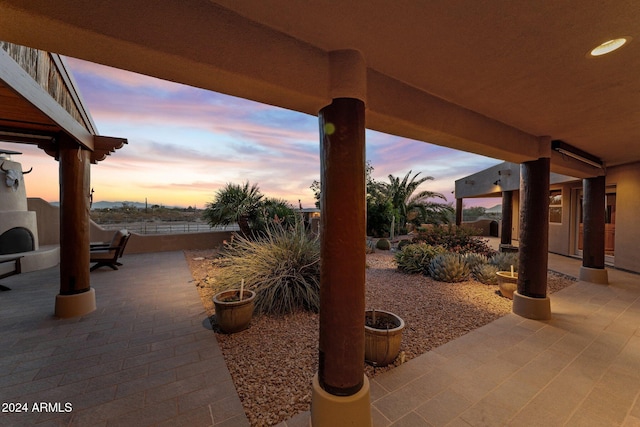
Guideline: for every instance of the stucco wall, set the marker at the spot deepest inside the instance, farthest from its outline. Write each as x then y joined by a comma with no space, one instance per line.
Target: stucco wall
559,233
143,243
627,181
48,220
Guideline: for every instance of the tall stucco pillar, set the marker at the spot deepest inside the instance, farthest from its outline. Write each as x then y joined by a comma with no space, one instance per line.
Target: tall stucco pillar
593,206
459,208
507,218
340,389
76,297
531,300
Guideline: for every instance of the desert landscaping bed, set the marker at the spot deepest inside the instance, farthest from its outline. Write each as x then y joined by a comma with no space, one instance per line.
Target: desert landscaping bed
273,361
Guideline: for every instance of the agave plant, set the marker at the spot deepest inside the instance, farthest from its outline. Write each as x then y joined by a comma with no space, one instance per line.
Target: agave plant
475,260
449,267
504,260
486,273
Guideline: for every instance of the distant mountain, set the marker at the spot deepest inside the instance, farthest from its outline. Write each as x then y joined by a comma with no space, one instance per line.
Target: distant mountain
111,205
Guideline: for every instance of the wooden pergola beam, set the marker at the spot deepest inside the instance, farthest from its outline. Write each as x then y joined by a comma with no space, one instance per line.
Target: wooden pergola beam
24,86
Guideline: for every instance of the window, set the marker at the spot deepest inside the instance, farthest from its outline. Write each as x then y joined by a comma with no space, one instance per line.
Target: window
555,206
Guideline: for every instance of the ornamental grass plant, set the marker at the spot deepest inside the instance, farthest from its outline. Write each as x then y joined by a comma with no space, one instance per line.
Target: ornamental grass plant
281,265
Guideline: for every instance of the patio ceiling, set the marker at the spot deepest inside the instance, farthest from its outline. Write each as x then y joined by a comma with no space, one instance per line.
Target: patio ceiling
493,78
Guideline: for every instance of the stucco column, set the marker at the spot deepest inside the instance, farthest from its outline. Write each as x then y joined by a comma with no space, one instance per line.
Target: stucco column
507,218
531,300
76,297
593,206
459,211
340,389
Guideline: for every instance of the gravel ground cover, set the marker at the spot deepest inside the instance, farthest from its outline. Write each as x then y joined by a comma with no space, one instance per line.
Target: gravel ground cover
272,363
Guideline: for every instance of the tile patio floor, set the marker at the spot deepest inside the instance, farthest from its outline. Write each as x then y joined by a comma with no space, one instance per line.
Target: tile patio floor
142,358
581,368
145,358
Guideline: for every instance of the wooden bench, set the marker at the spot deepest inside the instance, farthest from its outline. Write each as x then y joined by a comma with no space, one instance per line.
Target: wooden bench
17,269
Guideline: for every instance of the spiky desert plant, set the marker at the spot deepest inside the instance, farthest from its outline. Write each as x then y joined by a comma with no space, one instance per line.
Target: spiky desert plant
370,247
415,258
449,267
474,260
282,266
403,243
383,244
504,260
486,273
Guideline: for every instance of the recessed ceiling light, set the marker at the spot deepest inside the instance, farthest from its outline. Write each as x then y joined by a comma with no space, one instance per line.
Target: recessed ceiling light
609,46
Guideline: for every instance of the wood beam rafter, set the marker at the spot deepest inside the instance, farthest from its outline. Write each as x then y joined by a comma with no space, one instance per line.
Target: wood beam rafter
27,89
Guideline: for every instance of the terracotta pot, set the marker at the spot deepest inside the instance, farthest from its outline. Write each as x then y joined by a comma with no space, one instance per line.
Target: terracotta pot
507,283
232,314
381,346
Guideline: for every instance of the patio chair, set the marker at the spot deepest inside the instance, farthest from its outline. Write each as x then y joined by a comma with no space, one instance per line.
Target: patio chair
6,272
107,256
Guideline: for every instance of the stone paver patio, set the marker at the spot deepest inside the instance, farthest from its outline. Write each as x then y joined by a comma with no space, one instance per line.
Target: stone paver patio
145,357
581,368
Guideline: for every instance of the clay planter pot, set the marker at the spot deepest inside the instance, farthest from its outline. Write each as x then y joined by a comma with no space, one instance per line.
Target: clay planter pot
382,340
507,283
234,315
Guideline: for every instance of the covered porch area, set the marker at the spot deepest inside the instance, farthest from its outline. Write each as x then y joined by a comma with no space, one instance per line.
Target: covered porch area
146,357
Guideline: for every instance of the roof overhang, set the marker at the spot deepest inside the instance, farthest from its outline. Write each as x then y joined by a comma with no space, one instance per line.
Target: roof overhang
501,79
29,115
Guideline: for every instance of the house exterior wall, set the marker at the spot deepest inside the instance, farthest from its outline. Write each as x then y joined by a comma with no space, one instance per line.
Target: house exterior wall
563,235
559,233
626,178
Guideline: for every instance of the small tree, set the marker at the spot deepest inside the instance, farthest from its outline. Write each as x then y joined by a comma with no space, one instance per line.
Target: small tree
274,211
235,204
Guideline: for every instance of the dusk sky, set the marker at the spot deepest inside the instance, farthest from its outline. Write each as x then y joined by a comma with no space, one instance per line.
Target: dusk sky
185,143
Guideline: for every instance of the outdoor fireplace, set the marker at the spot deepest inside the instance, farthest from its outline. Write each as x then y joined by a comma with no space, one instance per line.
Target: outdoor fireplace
16,240
18,226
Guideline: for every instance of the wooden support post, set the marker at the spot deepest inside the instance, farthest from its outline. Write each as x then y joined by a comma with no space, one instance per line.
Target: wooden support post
343,235
507,218
340,390
530,300
593,206
458,212
76,296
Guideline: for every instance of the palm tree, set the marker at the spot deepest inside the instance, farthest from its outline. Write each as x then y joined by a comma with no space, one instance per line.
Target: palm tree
416,208
275,211
235,204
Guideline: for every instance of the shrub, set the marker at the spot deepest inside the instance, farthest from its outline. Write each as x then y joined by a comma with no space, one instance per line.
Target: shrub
504,260
403,243
449,267
282,266
486,273
455,239
415,258
383,244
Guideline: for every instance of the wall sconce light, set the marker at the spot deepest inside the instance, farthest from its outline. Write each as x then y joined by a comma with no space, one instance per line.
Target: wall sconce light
577,154
496,182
